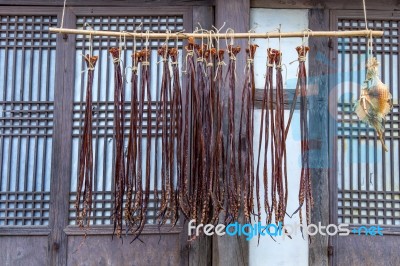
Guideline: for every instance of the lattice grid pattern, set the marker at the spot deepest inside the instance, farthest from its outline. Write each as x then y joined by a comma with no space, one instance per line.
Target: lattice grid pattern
27,69
368,178
103,109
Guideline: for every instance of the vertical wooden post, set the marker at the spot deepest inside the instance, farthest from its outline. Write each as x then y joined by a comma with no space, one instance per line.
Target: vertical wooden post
236,15
61,174
200,251
318,132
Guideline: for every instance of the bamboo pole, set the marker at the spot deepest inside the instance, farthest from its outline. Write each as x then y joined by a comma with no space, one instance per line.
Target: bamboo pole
252,35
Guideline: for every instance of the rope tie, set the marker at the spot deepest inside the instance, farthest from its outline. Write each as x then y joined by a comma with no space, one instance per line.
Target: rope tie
221,63
302,58
210,64
200,59
174,63
145,63
63,13
270,65
250,61
233,57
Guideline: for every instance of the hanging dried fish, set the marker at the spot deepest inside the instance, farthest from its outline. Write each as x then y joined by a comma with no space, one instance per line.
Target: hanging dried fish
375,101
199,166
209,132
218,154
132,160
145,99
187,180
245,145
167,182
279,175
86,153
267,125
305,191
119,169
233,190
176,131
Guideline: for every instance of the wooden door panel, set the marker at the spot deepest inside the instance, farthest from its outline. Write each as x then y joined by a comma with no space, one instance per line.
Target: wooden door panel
367,178
24,250
103,250
368,250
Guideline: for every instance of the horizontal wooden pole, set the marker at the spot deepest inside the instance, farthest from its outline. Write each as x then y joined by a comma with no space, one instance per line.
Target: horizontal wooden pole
252,35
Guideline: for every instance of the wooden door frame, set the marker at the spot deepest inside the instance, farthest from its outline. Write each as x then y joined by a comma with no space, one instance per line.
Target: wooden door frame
58,94
63,231
58,230
385,13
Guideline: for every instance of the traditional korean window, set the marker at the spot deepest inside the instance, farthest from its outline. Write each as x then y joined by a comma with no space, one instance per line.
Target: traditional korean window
367,176
27,85
103,95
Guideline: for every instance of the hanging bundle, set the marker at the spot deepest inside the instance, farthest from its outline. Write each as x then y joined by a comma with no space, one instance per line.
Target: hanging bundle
269,129
199,166
218,159
176,132
204,175
209,133
279,175
245,145
232,191
187,177
132,160
86,153
119,169
145,99
305,191
375,101
167,182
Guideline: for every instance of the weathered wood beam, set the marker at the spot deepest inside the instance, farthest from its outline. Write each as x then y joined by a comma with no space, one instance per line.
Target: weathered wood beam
318,133
326,4
113,3
235,14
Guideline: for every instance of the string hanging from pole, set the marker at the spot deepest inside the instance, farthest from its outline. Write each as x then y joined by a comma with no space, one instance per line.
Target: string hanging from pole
375,100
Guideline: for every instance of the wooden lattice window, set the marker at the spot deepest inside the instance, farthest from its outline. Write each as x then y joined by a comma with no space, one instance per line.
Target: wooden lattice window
367,176
27,75
103,106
